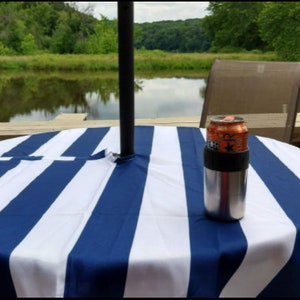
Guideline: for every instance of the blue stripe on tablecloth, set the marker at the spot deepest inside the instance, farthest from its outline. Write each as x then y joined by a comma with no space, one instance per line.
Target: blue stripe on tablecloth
24,149
6,165
105,242
27,208
217,248
286,192
86,143
30,145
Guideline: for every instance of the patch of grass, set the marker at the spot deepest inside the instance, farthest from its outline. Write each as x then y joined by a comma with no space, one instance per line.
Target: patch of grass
144,60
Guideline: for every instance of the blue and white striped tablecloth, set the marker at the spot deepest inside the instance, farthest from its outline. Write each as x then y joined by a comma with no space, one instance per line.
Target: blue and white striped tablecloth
75,222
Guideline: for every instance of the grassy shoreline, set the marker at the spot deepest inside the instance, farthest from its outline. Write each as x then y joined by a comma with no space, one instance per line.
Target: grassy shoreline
144,61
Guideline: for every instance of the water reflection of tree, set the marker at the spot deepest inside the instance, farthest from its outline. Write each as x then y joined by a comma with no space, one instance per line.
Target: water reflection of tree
21,94
107,88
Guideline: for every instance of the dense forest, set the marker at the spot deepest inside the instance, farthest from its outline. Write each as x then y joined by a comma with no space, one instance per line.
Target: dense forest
59,27
176,36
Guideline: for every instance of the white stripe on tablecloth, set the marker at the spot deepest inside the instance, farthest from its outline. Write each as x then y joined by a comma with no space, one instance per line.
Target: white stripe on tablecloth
8,144
59,143
264,223
16,179
111,142
159,262
54,236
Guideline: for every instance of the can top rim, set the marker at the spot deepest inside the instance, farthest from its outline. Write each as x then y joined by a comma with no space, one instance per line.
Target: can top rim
227,119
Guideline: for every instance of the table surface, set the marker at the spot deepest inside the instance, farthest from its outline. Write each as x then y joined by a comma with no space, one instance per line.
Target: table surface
77,221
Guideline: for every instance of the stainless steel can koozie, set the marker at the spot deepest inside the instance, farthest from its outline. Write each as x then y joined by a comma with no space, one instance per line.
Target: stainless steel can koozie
226,161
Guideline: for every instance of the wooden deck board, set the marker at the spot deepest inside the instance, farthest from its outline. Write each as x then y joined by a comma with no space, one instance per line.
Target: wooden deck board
70,117
69,121
259,120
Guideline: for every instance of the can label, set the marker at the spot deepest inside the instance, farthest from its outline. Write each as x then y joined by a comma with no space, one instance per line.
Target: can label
227,134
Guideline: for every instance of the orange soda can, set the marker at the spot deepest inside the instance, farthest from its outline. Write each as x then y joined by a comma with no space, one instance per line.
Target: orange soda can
227,134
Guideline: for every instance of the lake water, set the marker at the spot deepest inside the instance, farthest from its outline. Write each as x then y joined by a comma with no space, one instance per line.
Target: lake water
40,96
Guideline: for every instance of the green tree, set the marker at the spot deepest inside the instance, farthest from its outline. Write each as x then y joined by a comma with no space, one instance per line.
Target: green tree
279,25
17,35
41,19
234,25
55,26
177,36
28,45
3,49
11,28
105,38
63,39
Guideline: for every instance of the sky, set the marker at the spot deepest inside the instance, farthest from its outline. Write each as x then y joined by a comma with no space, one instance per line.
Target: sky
149,11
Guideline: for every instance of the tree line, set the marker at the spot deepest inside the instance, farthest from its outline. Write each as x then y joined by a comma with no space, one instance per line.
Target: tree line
59,27
266,26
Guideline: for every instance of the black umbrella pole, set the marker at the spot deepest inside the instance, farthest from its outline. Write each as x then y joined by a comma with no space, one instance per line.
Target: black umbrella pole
126,76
